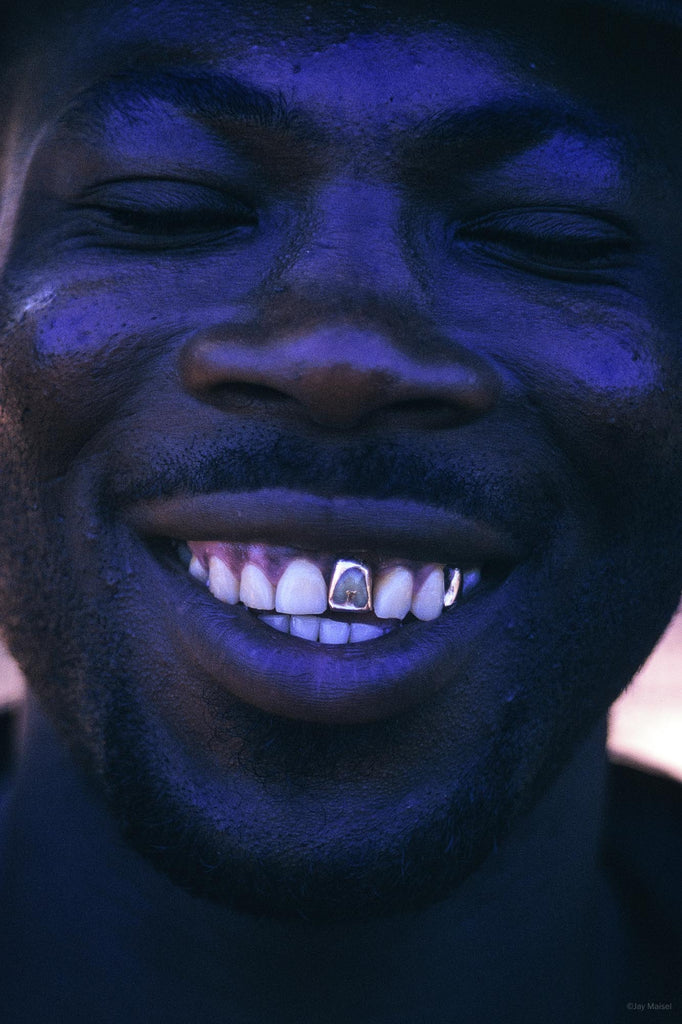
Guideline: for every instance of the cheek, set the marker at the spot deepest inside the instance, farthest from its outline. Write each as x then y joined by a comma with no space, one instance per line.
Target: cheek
83,296
608,394
600,370
76,351
550,334
66,368
602,351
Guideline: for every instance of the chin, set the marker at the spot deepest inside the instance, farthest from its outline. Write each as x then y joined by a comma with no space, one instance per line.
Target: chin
324,851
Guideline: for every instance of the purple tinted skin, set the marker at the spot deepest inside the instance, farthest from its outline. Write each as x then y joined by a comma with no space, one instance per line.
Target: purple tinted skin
415,283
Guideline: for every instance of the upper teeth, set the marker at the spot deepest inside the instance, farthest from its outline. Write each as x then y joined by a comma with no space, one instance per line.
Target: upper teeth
295,590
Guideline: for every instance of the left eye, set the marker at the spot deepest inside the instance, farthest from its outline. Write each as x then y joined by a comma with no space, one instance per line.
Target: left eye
550,239
165,210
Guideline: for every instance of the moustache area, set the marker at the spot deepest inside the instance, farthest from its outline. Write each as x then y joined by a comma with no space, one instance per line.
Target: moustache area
506,484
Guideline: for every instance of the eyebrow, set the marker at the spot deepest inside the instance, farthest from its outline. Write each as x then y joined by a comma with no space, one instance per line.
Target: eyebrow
478,137
212,97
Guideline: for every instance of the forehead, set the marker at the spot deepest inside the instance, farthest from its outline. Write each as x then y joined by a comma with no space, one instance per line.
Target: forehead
292,47
387,55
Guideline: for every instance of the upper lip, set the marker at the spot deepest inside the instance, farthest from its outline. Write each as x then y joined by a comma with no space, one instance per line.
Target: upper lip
396,527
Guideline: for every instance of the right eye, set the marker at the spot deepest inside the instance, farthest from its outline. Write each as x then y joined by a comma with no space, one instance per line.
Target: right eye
149,212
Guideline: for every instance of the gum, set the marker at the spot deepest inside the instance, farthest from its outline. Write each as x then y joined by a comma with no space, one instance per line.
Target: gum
274,560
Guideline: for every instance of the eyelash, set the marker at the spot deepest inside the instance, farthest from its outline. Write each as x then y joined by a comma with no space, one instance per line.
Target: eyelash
550,240
166,213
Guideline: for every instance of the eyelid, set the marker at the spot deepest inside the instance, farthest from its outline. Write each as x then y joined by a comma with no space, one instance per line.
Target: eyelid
127,190
163,213
586,222
549,240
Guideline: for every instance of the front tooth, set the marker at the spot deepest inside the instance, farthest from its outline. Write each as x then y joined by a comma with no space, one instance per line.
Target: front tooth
360,631
428,601
301,590
333,632
393,593
222,582
256,590
197,569
305,626
278,622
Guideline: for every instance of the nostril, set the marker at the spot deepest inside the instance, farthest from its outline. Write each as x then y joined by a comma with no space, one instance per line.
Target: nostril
241,395
426,414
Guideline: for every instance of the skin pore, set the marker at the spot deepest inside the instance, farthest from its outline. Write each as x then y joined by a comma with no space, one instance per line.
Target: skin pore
424,266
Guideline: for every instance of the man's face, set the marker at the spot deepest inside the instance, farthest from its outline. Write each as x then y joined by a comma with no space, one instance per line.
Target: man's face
335,286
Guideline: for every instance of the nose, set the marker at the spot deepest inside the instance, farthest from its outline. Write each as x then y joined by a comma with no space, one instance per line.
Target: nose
348,337
342,374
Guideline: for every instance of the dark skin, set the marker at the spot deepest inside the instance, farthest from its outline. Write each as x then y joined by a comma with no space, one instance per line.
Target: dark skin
372,284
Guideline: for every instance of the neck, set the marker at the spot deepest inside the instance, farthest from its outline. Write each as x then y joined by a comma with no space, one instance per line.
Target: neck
90,921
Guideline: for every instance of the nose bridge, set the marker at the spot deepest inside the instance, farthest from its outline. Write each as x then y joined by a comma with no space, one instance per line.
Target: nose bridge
353,235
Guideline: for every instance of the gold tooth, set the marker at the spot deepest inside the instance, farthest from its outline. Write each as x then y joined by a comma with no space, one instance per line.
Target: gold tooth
358,586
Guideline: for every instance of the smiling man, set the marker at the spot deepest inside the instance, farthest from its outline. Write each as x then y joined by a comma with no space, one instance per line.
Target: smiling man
341,434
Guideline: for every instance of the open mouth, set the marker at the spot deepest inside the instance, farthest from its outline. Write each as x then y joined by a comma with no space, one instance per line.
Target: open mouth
350,631
322,597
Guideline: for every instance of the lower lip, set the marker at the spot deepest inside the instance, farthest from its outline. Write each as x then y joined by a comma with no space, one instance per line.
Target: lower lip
294,678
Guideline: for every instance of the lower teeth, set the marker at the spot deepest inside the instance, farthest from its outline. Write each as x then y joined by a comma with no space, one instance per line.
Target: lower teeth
324,630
